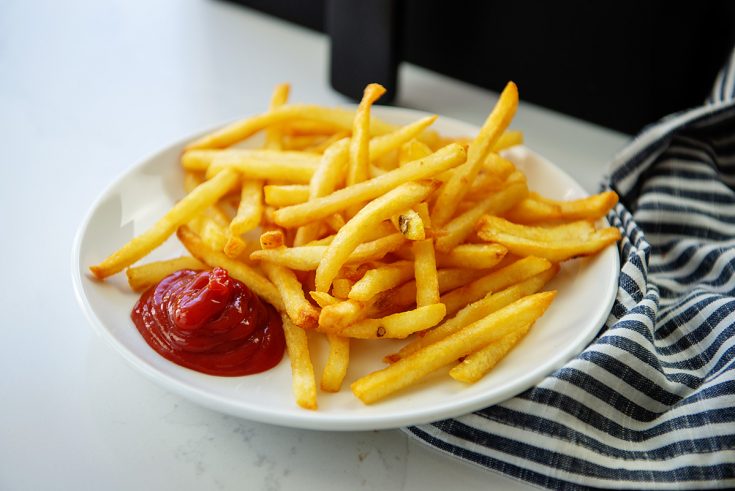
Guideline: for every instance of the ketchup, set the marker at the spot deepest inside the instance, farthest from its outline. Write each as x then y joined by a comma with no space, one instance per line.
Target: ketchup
210,322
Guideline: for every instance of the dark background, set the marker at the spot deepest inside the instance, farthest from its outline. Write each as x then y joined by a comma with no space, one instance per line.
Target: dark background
620,64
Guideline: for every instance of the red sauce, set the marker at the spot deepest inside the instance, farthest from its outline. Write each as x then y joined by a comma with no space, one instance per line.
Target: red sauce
210,322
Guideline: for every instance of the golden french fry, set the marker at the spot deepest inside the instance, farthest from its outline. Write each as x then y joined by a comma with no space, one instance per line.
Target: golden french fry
382,145
328,175
407,371
337,363
476,365
475,311
341,287
142,277
339,315
531,210
449,279
462,226
413,150
352,234
302,370
358,170
272,239
495,124
288,171
182,212
475,256
410,224
200,160
508,139
248,216
556,244
339,200
307,258
427,281
590,208
395,326
238,270
273,133
494,281
300,310
381,279
336,118
285,194
323,299
335,222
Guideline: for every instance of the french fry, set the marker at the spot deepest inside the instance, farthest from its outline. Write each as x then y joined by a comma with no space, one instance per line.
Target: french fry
508,139
182,212
396,326
381,279
248,216
413,150
360,142
301,312
382,145
318,208
200,160
494,281
302,370
590,208
462,226
449,279
341,287
476,365
307,258
288,171
410,224
408,371
273,133
457,186
475,311
350,236
531,210
556,244
285,194
337,363
239,130
238,270
339,315
142,277
323,299
272,239
427,281
475,256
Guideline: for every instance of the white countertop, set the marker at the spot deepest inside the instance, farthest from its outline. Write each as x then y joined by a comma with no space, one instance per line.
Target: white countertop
86,90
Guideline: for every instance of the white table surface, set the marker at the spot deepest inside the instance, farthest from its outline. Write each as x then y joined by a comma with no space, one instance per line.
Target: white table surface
86,90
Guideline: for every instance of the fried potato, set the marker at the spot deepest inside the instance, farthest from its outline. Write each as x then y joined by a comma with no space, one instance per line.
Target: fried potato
285,194
358,170
300,310
410,224
248,216
475,256
476,365
408,371
396,326
337,363
200,160
381,279
272,239
302,369
427,281
273,134
201,198
557,243
142,277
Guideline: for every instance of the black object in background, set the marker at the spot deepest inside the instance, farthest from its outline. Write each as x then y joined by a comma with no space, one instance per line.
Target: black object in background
619,64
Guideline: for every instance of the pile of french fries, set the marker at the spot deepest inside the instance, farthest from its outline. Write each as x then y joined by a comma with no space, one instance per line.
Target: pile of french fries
354,228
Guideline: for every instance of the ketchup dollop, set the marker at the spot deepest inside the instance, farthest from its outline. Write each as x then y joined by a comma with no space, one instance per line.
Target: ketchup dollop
210,322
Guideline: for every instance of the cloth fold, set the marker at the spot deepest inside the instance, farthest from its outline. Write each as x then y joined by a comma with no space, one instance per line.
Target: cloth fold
650,403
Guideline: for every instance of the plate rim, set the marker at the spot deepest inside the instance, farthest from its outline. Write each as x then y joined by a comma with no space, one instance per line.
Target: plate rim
316,420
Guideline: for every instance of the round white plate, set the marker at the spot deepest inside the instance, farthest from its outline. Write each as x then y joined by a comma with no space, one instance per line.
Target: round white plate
587,288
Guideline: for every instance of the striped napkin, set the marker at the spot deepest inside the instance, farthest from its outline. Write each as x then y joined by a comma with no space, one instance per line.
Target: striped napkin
650,403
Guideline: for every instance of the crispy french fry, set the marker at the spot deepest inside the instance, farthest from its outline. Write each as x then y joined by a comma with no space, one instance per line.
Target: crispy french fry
462,226
272,239
322,207
556,244
200,160
273,133
449,279
494,281
307,258
413,150
358,170
339,315
427,281
382,145
302,370
457,186
474,256
285,194
142,277
475,311
476,365
381,279
508,139
323,299
341,287
300,310
334,117
590,208
410,224
396,326
407,371
351,235
238,270
288,171
248,216
337,363
182,212
531,210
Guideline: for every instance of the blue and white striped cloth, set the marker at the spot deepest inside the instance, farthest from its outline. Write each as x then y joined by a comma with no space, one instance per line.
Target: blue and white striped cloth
650,403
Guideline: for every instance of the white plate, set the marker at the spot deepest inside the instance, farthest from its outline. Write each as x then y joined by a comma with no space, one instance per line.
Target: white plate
586,287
